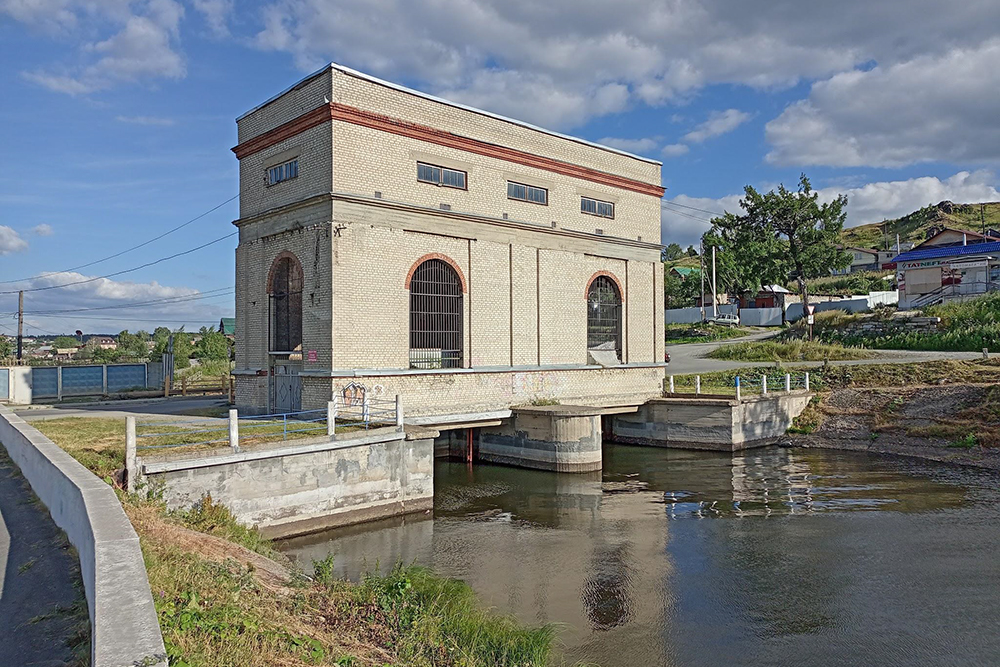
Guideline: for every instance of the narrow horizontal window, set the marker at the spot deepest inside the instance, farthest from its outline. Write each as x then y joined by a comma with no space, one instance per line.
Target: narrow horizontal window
527,193
602,209
449,178
283,172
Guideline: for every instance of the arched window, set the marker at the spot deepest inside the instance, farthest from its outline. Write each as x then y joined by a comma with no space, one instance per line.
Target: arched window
285,291
436,339
604,315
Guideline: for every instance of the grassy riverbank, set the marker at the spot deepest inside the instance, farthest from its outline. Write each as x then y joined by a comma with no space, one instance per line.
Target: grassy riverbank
793,350
225,596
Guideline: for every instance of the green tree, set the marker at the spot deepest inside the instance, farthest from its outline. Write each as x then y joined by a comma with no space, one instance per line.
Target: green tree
678,292
182,346
212,345
63,342
784,234
672,253
692,251
133,345
6,347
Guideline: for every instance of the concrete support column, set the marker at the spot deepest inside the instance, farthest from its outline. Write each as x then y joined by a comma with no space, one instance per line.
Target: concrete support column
59,370
234,429
563,438
131,469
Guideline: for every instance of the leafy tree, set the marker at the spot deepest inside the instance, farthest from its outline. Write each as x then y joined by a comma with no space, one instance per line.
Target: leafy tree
182,346
784,234
672,253
63,342
6,347
212,345
678,293
692,251
133,345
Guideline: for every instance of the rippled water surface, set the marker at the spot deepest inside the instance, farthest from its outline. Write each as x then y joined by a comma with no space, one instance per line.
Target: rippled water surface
773,557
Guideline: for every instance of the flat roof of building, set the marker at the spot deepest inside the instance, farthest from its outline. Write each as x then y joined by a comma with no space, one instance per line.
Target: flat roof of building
948,251
411,91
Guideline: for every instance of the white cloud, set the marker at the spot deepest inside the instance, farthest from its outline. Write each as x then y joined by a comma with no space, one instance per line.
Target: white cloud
217,14
184,305
931,108
143,46
718,123
11,241
42,230
871,202
548,57
146,120
674,150
631,145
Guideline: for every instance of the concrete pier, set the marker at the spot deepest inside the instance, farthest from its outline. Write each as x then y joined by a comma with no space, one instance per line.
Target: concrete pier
307,486
705,421
562,438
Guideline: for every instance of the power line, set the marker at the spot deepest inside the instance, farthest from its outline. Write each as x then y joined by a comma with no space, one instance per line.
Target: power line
124,271
693,208
210,294
130,319
127,250
686,215
37,328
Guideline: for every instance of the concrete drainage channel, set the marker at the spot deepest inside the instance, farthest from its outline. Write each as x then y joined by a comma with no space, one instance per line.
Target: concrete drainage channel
124,628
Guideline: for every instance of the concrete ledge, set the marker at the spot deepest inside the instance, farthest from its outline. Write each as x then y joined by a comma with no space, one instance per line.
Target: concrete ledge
124,628
350,517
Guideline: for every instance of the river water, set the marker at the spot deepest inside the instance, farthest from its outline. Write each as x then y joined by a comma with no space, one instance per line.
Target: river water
668,557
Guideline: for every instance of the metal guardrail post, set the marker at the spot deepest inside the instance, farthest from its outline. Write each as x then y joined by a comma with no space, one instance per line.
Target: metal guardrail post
331,418
365,410
738,396
807,380
130,458
763,385
234,429
788,383
59,383
399,413
104,380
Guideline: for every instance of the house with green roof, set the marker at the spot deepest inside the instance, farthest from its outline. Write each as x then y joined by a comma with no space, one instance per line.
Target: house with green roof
227,326
685,272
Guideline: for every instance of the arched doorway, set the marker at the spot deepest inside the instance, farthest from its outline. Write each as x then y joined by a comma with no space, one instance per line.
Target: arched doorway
284,288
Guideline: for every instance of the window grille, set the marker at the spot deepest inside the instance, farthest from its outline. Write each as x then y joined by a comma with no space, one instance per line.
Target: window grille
604,315
449,178
283,172
528,193
603,209
285,305
436,316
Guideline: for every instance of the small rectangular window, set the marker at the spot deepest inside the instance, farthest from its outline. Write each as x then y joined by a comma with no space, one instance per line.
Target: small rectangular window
602,209
449,178
528,193
283,172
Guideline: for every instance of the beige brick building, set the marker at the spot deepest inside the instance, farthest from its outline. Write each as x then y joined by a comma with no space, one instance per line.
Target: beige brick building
395,243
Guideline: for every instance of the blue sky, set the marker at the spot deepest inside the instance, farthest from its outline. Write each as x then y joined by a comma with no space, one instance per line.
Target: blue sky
117,116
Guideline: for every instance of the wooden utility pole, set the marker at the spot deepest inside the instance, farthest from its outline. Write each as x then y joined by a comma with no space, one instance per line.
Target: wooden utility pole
20,324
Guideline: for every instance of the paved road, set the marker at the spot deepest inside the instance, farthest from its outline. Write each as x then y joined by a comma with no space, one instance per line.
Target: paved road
41,594
689,358
164,408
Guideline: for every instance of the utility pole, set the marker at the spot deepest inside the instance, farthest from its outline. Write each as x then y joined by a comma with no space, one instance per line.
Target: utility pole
982,219
701,260
20,324
715,294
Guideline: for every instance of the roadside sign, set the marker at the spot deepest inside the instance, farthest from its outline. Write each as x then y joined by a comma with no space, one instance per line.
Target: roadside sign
809,320
810,309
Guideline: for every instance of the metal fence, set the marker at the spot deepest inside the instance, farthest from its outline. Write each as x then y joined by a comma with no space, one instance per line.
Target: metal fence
234,431
4,384
693,315
60,381
739,386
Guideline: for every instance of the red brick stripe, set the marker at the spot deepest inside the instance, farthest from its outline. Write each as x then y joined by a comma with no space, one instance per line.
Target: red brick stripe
348,114
597,274
436,255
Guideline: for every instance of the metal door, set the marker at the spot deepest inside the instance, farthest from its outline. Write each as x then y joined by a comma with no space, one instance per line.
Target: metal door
286,393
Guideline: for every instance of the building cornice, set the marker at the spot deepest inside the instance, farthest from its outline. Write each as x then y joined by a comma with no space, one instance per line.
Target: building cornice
334,111
455,215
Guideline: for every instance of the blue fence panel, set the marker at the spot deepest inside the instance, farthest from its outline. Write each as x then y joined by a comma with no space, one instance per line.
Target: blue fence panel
44,382
131,376
154,375
4,384
82,380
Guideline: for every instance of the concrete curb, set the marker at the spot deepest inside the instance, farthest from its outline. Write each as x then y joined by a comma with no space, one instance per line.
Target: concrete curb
124,628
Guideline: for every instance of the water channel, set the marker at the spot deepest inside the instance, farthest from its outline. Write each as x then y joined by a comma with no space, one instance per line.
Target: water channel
769,557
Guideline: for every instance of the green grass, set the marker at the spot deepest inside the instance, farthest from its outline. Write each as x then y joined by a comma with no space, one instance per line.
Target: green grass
216,611
794,350
860,282
678,334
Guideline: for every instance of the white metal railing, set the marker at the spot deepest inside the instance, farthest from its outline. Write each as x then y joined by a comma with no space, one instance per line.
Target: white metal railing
762,384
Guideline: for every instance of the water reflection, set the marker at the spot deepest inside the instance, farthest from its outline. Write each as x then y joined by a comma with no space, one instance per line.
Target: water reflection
691,558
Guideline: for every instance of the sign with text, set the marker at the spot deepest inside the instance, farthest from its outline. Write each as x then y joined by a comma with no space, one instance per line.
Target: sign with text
975,264
312,356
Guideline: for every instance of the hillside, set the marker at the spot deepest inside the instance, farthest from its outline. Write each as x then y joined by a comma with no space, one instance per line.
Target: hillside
914,226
